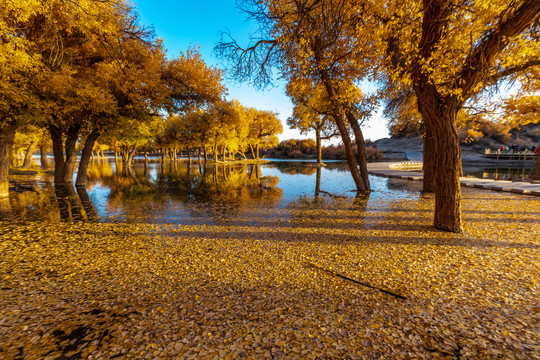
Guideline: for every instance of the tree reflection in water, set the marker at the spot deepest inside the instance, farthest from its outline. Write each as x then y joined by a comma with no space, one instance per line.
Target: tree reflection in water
29,200
197,193
5,208
177,190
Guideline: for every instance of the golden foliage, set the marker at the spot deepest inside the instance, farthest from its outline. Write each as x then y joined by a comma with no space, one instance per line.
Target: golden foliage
152,291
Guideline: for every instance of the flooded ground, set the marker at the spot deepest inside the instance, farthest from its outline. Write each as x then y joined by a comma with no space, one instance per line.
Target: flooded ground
185,193
239,262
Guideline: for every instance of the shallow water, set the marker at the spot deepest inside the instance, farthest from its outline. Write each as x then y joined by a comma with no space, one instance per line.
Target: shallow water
195,194
499,172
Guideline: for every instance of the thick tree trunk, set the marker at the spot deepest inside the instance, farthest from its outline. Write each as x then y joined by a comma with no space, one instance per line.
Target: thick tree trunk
58,153
428,164
70,163
447,186
7,138
82,173
131,154
43,148
29,153
361,149
439,118
124,155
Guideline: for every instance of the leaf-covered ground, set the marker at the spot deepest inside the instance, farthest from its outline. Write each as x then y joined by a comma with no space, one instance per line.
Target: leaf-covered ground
288,283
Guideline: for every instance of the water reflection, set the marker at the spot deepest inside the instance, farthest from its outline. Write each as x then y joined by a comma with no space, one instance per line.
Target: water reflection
500,173
194,193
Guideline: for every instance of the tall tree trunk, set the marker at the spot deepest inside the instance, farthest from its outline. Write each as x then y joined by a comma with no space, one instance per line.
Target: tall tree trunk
361,149
351,159
123,155
319,147
82,173
43,148
7,138
29,153
257,150
189,156
337,115
131,155
58,153
439,117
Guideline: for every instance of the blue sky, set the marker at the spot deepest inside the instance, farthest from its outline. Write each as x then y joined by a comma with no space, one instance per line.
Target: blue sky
198,23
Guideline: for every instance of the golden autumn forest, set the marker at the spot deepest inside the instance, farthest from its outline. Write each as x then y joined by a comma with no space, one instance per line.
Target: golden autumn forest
159,229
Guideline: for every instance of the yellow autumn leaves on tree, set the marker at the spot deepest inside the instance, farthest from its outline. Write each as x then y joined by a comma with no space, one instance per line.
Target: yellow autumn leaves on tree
443,53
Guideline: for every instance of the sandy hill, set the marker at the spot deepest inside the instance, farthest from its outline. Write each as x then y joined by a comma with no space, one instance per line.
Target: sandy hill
525,137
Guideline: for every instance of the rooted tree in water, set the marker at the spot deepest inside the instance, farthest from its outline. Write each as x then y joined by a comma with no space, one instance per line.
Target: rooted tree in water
84,65
19,62
314,40
264,126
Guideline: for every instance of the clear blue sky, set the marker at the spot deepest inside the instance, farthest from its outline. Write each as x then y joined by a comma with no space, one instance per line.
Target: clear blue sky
198,23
